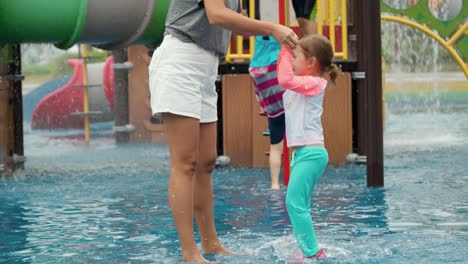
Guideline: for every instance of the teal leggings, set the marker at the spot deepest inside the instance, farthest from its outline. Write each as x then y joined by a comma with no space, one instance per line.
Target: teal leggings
308,164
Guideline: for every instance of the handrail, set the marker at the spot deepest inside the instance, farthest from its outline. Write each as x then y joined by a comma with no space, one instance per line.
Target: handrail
328,13
446,44
84,52
344,29
240,55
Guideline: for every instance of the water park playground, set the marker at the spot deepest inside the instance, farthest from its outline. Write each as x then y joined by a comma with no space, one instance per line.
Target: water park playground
95,191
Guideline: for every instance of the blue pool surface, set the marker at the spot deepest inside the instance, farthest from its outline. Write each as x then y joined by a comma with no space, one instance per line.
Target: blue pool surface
104,203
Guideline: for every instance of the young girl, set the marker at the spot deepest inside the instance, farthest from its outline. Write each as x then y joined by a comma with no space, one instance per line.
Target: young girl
302,74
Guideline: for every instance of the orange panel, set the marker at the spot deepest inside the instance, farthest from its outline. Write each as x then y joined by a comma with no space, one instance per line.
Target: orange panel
237,119
243,126
6,124
337,120
260,143
139,97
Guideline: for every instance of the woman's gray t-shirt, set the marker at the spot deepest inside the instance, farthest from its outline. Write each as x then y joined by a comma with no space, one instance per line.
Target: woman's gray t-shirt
187,21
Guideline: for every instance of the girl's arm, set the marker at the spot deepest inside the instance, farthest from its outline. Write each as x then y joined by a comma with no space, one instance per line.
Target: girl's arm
306,85
219,14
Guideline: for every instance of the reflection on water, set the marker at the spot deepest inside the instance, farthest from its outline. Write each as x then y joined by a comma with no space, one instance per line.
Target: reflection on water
104,203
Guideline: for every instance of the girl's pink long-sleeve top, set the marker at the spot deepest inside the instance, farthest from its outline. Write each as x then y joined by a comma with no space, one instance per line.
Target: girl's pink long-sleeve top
303,101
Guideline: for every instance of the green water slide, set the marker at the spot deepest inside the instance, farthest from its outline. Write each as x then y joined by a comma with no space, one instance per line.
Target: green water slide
107,24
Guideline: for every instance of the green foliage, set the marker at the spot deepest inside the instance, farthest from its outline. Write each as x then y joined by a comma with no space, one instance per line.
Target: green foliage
37,69
58,66
5,54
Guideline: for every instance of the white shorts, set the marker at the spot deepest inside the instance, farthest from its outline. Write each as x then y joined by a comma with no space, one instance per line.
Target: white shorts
182,80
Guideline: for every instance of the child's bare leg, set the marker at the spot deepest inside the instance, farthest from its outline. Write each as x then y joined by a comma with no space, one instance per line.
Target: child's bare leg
203,191
183,148
275,164
308,27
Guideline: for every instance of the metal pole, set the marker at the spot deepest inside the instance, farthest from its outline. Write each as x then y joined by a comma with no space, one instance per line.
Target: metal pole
370,88
4,122
84,52
219,124
282,12
360,90
121,105
15,71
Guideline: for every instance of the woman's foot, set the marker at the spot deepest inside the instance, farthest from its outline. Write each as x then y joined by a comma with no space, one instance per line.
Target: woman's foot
217,248
196,259
221,250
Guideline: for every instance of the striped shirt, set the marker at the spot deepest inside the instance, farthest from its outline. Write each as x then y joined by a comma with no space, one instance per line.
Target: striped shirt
269,92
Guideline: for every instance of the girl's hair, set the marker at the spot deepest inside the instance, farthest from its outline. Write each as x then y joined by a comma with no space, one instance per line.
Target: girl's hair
319,47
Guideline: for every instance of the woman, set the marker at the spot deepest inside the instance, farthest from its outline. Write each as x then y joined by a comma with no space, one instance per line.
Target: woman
182,85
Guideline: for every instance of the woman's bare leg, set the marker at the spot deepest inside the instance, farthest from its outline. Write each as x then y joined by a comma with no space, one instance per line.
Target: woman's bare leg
275,164
203,191
183,148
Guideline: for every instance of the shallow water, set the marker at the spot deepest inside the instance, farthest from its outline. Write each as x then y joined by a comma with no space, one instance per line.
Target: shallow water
104,203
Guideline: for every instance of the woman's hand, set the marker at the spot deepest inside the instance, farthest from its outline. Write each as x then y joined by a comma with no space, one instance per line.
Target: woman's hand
285,36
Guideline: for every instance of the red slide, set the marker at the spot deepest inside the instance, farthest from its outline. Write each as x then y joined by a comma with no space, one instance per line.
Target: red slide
55,110
108,81
58,109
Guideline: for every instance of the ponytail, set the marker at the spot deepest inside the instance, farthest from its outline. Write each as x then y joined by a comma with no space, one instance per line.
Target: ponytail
320,47
333,71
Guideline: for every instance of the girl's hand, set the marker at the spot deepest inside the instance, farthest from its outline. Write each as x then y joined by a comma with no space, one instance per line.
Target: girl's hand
285,36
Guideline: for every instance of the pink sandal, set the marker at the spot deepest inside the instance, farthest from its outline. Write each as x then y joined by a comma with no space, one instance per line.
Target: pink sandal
319,255
300,258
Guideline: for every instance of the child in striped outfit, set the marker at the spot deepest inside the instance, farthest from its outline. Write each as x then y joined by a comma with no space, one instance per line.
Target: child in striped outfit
270,97
302,73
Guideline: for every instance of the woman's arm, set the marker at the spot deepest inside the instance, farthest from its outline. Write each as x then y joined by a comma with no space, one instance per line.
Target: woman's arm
306,85
219,14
